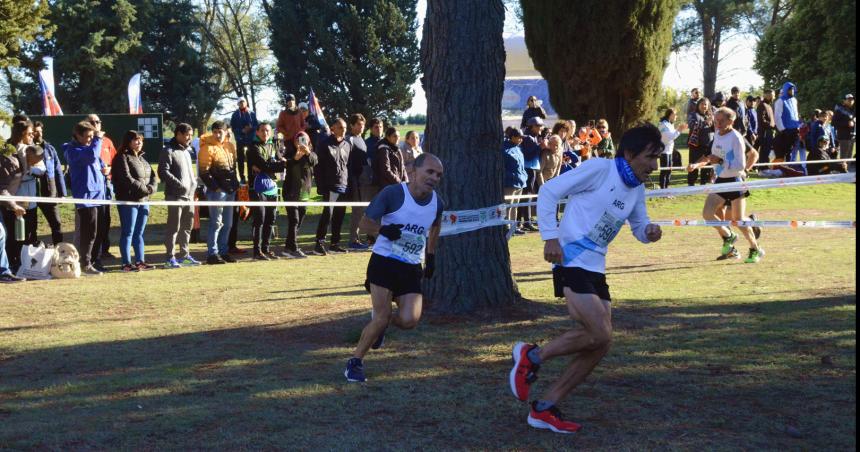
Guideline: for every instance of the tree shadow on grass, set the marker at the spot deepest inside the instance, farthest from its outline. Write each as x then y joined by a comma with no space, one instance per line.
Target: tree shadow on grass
441,386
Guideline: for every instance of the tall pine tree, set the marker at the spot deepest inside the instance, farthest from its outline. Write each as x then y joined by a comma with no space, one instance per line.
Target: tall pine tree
601,58
357,56
463,60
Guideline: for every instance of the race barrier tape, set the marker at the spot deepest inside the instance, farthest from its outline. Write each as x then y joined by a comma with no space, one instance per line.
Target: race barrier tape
793,224
796,162
733,186
457,222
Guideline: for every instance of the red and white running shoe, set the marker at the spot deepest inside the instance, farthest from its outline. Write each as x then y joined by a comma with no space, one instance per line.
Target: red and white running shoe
551,419
524,372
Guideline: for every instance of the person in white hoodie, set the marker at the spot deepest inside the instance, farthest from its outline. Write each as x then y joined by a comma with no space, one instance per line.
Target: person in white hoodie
602,194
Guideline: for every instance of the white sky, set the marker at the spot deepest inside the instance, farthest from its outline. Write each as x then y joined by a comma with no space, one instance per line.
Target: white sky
683,72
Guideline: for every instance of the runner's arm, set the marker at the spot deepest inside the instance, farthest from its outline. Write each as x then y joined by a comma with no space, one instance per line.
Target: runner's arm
639,220
586,177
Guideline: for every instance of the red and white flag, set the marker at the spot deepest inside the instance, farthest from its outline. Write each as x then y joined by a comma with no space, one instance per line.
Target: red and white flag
50,106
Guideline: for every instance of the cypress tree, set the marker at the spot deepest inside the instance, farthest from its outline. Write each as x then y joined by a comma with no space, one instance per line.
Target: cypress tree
601,59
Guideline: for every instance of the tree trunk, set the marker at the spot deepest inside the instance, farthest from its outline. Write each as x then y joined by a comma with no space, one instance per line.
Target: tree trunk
710,59
462,56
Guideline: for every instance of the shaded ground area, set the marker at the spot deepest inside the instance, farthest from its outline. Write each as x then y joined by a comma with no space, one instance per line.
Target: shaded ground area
707,355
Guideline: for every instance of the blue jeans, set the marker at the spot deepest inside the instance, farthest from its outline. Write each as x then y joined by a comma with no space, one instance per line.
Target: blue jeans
220,221
132,220
4,260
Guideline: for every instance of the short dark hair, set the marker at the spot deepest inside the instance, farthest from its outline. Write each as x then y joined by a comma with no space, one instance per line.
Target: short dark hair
374,122
83,127
751,98
263,124
735,89
38,124
513,132
355,118
182,127
219,125
640,138
390,131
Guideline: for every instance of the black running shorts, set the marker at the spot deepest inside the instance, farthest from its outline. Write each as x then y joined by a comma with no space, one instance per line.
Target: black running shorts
731,195
580,281
398,277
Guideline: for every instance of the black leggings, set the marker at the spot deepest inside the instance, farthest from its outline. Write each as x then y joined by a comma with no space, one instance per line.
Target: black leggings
51,212
666,161
264,222
295,216
526,213
704,175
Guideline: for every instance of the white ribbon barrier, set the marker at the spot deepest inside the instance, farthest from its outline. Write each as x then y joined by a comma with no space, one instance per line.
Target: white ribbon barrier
797,162
793,224
460,221
732,186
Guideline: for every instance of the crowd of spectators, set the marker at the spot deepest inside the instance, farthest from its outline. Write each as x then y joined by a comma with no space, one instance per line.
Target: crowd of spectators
285,160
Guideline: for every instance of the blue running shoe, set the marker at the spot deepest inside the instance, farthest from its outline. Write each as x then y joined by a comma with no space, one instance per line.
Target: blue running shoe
172,263
354,371
358,246
188,260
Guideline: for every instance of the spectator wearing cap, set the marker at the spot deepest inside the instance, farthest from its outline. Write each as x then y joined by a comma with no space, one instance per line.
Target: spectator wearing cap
515,171
718,101
736,104
108,152
290,120
605,148
244,124
531,147
533,110
752,119
691,105
843,121
766,126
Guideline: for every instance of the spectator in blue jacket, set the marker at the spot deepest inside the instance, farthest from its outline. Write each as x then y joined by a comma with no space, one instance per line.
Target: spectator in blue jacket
515,171
788,122
244,124
88,171
52,184
752,119
531,146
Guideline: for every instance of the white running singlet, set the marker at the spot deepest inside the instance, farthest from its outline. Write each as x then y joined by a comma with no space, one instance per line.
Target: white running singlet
731,148
417,221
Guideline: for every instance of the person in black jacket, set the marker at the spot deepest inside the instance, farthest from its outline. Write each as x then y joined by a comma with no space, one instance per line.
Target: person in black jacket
332,176
265,160
699,141
534,110
301,160
388,165
52,184
843,121
133,180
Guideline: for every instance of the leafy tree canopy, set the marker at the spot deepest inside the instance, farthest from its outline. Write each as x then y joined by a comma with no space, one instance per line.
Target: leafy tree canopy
816,48
358,56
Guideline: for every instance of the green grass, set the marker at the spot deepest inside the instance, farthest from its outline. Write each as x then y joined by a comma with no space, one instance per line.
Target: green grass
707,354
